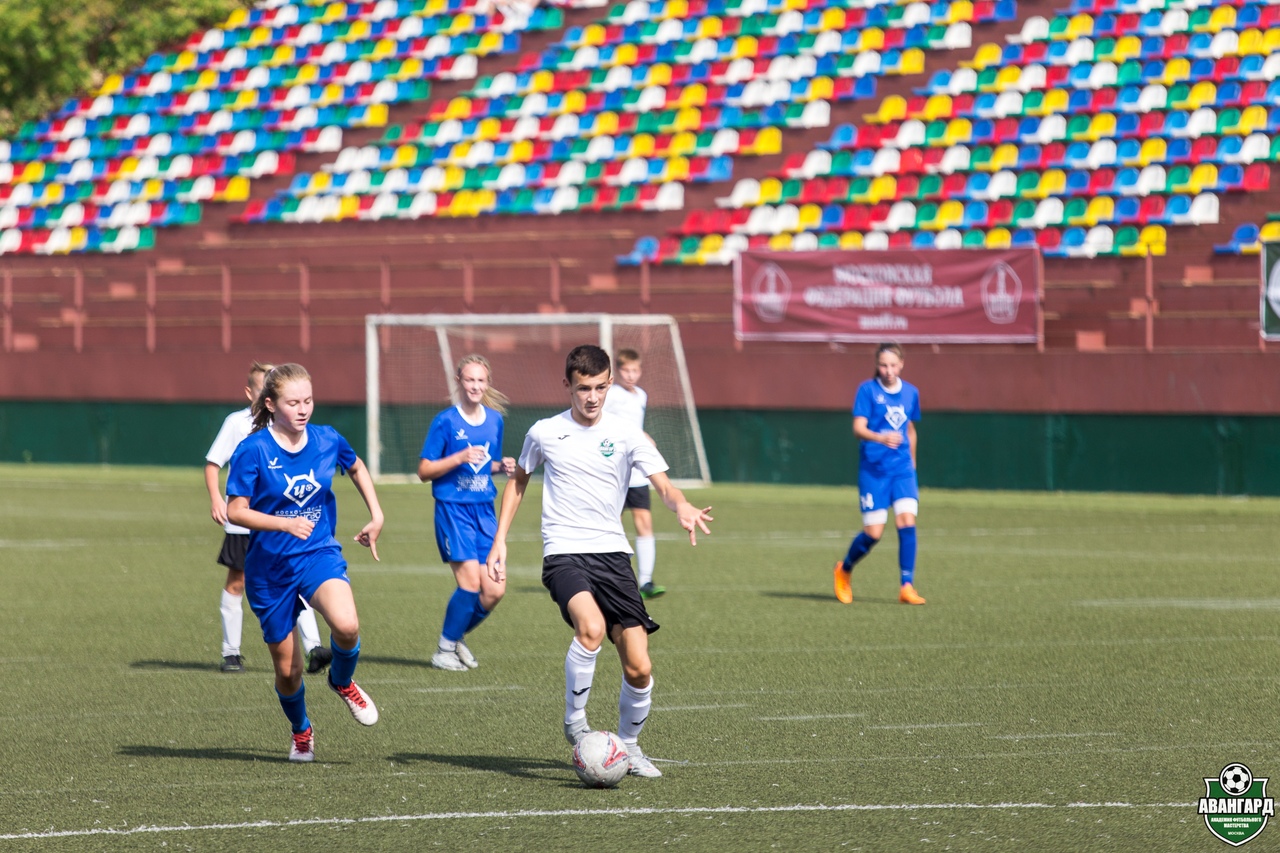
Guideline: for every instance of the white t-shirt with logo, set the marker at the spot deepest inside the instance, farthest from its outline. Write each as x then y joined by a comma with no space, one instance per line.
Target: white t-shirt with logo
234,430
585,481
630,406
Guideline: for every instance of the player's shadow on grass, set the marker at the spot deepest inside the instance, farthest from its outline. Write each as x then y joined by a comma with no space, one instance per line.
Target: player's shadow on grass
541,769
826,598
424,663
192,665
210,753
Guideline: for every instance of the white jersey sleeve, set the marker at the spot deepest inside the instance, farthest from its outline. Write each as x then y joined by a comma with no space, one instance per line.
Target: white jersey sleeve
631,407
234,430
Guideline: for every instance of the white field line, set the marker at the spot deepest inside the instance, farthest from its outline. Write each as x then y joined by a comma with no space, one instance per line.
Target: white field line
664,710
554,813
43,543
802,717
1187,603
928,726
483,689
1064,734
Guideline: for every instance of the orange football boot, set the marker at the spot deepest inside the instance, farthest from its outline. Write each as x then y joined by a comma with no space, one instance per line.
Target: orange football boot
844,590
908,595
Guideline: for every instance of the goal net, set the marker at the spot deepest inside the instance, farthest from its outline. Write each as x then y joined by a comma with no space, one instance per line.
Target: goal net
411,358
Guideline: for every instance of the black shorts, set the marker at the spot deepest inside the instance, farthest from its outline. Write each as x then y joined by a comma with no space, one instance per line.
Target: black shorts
638,498
609,579
234,547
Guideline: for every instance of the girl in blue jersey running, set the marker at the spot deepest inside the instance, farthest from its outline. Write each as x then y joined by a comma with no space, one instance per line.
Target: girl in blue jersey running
280,487
885,412
459,457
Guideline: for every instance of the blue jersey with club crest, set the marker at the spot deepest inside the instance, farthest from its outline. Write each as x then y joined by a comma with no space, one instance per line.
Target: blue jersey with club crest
886,411
285,485
449,433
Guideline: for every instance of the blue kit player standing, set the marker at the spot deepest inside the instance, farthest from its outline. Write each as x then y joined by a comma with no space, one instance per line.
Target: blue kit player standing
885,412
281,489
459,459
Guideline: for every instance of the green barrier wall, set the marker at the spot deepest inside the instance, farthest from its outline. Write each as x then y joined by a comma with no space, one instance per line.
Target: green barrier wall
1207,454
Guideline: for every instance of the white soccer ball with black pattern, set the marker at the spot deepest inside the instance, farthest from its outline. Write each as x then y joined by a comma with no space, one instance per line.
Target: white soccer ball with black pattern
1236,779
600,760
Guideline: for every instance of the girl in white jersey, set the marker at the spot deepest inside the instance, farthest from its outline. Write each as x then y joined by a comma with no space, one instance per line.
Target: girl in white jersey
588,456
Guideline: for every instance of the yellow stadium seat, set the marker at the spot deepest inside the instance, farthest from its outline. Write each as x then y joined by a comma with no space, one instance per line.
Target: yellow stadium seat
1006,78
1080,26
883,188
711,27
79,238
892,108
1103,126
1101,209
594,34
851,240
1152,151
606,123
832,19
770,191
999,238
709,247
1222,18
780,242
237,19
1270,232
810,217
950,215
1202,94
54,193
405,156
872,39
152,189
937,107
459,108
1271,41
745,47
642,145
959,131
1176,70
575,101
349,207
375,115
677,169
1250,42
1055,101
912,61
489,129
683,144
1204,177
320,181
1127,47
454,177
768,141
1004,157
961,11
659,75
186,61
333,12
383,49
258,36
237,189
625,54
1253,119
307,74
246,99
1154,238
522,150
1052,182
988,55
694,95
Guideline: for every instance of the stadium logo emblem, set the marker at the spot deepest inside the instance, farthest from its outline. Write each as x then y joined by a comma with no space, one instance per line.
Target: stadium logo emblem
770,293
301,488
1235,805
483,463
1001,293
606,448
1273,290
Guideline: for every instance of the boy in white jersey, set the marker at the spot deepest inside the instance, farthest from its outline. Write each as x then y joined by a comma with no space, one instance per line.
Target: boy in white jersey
236,541
586,565
628,400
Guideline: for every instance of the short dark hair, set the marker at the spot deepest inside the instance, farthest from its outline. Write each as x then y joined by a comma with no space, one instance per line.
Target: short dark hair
628,356
586,360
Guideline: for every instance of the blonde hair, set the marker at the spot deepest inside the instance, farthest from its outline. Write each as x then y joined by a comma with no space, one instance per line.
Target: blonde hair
258,368
272,384
493,398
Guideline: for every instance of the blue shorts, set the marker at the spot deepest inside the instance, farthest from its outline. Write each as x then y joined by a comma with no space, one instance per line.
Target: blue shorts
277,602
878,494
465,531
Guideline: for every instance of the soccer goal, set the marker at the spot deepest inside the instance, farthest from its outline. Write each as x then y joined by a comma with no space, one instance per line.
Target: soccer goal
410,361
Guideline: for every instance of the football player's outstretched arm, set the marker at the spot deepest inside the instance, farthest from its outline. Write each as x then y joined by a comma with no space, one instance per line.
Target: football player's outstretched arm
512,495
691,518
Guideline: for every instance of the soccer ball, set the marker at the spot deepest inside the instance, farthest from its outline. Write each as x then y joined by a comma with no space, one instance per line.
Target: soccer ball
1236,779
600,759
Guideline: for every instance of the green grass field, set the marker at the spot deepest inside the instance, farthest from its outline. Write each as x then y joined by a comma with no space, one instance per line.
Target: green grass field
1083,662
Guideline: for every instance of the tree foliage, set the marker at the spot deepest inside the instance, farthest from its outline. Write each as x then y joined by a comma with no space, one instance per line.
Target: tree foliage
51,50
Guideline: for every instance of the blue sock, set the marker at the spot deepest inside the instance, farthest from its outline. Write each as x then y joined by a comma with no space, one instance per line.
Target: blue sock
859,548
907,553
344,663
458,614
295,708
478,615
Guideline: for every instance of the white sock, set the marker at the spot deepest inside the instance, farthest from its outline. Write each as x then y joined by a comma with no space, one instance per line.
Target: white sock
646,555
232,623
633,710
579,670
448,645
308,628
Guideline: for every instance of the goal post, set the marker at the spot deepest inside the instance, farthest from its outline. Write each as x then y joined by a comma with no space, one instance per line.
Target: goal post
409,377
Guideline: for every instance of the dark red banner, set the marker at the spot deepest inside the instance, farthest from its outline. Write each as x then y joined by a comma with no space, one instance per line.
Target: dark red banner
927,296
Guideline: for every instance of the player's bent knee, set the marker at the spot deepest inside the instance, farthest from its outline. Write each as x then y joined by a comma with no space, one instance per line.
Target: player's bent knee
638,676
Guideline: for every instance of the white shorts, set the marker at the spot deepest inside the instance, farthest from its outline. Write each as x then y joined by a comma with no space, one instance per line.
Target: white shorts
908,506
